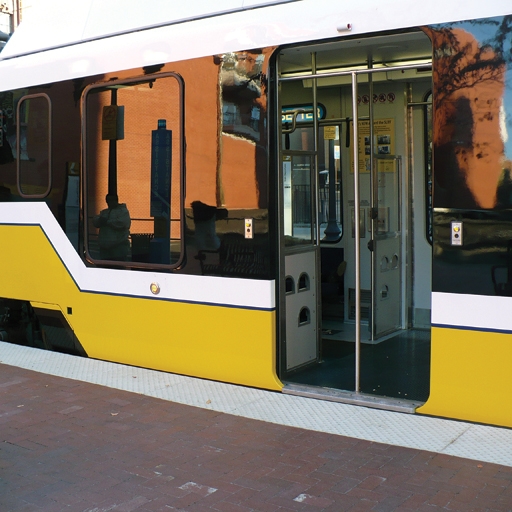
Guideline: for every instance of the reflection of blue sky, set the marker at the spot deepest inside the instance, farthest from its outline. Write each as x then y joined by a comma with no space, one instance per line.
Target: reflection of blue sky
484,32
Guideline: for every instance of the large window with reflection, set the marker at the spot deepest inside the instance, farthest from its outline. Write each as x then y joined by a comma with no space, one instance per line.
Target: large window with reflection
133,159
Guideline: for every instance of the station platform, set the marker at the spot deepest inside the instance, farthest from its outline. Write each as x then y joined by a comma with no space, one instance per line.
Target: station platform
85,435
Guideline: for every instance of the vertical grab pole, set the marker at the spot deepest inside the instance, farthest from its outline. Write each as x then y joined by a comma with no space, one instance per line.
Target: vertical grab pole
374,205
316,215
355,149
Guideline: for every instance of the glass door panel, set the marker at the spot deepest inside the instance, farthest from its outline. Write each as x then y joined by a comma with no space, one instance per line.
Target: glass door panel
386,245
298,199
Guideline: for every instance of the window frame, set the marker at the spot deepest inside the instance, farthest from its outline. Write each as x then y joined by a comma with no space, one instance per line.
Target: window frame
18,147
105,84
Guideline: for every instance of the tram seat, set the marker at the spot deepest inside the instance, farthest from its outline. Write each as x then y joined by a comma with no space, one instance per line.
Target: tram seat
236,256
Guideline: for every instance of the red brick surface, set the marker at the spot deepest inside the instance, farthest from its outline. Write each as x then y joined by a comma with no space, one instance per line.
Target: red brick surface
69,445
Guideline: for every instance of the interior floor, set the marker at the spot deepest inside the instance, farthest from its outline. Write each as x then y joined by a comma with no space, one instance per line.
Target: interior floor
398,367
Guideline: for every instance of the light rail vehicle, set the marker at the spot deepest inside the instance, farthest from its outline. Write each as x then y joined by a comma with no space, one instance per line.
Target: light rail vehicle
307,196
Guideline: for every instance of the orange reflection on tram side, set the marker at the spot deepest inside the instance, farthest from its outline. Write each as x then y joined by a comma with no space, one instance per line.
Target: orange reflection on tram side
469,85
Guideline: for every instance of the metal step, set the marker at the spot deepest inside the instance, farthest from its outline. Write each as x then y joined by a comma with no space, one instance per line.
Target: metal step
350,397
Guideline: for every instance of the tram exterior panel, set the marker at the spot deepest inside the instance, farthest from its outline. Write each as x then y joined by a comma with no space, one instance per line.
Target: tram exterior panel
203,289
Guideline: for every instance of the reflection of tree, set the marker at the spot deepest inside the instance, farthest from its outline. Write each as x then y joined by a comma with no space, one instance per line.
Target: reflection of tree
461,64
469,76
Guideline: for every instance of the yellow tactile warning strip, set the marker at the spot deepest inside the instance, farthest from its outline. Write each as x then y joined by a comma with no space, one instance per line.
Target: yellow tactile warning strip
461,439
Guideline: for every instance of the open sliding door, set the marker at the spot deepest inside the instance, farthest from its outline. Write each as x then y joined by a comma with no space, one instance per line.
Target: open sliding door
354,263
300,258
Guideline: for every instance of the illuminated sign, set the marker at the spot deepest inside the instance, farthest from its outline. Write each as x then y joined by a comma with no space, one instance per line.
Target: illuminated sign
305,113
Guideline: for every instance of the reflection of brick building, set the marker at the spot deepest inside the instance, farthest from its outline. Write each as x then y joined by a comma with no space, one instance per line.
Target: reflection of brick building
225,158
218,163
222,149
469,150
243,96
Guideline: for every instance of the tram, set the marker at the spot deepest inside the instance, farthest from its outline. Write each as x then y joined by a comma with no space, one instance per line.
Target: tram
311,197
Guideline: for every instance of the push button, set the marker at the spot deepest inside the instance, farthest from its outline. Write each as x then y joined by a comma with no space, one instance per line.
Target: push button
248,228
456,233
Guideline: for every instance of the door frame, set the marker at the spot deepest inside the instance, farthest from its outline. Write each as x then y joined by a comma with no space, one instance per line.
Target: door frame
314,76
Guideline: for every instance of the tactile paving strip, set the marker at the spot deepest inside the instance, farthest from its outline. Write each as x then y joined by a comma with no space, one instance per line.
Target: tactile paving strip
457,438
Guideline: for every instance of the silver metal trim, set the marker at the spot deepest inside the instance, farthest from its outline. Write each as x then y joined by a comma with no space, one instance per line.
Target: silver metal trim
281,348
349,397
355,149
316,211
294,114
314,203
408,228
373,205
364,71
419,103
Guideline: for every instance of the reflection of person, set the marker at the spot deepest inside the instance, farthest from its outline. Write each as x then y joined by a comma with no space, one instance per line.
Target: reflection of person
114,224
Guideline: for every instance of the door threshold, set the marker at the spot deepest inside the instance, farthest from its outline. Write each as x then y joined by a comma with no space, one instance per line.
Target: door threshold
353,398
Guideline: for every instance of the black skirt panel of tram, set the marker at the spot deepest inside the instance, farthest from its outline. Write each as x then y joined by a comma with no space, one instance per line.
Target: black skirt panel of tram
57,333
22,324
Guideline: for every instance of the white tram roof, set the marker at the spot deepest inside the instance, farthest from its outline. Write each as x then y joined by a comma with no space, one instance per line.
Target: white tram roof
54,23
63,40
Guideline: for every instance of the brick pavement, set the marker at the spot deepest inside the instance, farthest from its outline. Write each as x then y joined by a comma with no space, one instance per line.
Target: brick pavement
74,446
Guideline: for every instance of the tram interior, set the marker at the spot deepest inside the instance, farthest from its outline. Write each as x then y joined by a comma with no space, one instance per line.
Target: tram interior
393,201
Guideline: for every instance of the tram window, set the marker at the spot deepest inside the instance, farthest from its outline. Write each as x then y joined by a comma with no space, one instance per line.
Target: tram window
133,161
33,146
